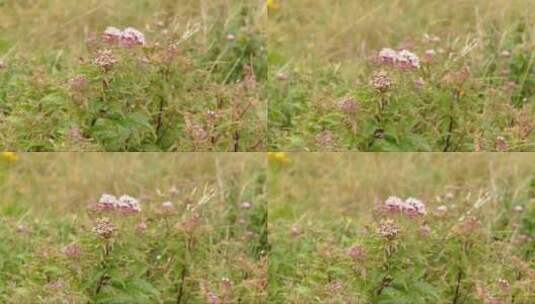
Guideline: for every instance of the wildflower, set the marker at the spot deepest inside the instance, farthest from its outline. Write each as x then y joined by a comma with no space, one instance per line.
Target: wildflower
112,35
131,37
105,59
125,204
381,81
356,252
408,60
394,203
230,37
388,56
388,229
501,144
104,228
348,106
128,204
246,205
9,156
72,250
107,201
278,157
127,38
413,205
3,64
403,59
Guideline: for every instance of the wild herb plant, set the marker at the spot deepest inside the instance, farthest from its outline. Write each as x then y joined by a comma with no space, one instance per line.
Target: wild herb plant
195,232
133,76
405,76
401,228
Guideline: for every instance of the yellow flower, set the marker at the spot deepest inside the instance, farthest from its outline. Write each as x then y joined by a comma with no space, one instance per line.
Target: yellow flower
273,5
10,156
279,157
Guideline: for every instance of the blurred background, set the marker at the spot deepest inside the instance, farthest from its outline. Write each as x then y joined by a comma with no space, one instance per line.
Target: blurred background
54,184
330,185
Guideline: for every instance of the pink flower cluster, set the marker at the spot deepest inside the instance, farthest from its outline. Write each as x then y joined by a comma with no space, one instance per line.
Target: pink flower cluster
411,206
127,38
403,59
125,204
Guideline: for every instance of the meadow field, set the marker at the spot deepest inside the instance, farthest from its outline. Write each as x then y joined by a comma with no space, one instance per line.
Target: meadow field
137,75
401,228
401,75
132,228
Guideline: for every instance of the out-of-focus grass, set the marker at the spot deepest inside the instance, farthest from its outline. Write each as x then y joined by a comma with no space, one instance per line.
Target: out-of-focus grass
44,44
321,205
210,247
320,53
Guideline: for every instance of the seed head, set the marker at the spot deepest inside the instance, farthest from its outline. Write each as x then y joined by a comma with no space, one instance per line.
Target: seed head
381,81
388,229
104,228
105,59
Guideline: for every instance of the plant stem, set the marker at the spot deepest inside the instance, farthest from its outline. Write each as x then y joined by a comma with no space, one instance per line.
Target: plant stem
181,288
457,287
457,95
102,280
